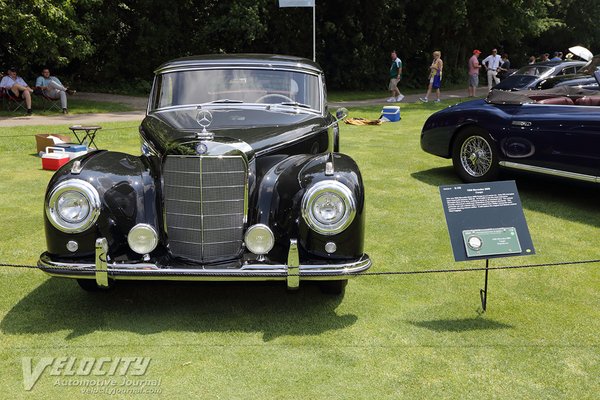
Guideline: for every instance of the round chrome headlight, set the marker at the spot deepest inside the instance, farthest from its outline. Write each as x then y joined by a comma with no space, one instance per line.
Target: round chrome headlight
73,206
142,238
259,239
328,207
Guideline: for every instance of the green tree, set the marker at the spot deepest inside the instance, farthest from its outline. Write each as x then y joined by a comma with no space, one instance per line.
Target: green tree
41,32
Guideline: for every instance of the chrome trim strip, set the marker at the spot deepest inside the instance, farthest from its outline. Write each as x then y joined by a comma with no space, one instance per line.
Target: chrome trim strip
151,271
201,160
551,171
560,105
293,278
102,262
252,106
209,230
221,65
227,241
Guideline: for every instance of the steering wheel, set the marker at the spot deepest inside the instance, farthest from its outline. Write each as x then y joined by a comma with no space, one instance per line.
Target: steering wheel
274,96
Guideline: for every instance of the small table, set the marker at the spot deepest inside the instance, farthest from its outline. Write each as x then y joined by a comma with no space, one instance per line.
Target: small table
86,132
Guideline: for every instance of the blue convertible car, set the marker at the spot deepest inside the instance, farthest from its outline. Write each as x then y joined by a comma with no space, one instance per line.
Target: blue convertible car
555,132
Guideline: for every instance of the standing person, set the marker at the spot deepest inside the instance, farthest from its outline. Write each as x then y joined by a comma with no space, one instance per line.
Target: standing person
504,66
491,64
545,57
17,86
395,76
435,77
474,67
531,60
53,88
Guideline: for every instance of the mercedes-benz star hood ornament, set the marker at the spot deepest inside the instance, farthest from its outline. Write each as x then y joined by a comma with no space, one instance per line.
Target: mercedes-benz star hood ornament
204,119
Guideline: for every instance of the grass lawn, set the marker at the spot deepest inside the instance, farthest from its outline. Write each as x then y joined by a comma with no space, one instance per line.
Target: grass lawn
390,337
76,106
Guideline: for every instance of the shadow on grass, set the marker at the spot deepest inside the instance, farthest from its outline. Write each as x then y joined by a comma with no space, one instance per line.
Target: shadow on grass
151,307
460,325
562,198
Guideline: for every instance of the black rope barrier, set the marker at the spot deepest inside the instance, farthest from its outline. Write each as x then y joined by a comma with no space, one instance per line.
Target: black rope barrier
166,271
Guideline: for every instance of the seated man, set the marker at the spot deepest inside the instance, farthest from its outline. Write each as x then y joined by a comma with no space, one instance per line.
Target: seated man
53,88
17,86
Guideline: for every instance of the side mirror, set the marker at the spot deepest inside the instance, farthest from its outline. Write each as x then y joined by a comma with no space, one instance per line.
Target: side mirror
341,113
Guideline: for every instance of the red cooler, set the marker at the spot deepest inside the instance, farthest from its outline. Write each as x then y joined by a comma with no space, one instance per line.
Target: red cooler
54,158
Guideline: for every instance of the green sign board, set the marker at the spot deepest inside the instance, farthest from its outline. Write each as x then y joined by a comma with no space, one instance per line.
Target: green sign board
491,242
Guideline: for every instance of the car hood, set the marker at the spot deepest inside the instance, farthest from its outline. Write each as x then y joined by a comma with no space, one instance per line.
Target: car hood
178,132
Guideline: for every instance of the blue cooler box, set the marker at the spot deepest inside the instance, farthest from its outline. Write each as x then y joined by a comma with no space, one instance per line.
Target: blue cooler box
391,112
72,147
73,150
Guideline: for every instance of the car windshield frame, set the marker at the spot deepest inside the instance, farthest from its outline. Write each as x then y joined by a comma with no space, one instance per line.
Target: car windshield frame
238,86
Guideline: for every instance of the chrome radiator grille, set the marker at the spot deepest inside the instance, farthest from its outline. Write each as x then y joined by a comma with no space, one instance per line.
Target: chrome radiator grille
205,206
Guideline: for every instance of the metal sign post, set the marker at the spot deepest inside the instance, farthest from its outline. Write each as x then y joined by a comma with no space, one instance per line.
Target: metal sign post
305,3
483,292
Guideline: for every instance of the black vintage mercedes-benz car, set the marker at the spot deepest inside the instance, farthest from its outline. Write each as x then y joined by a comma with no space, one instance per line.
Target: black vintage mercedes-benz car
239,178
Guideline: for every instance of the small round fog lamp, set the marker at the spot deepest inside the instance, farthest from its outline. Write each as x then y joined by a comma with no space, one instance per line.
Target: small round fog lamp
259,239
330,247
142,238
72,246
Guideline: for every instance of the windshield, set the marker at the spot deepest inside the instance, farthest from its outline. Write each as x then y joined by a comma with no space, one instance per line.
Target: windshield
533,70
237,86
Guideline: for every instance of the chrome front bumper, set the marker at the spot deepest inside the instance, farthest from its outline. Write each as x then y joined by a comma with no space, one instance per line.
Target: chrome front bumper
102,270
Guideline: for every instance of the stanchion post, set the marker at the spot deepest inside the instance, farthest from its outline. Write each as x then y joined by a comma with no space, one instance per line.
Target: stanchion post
483,292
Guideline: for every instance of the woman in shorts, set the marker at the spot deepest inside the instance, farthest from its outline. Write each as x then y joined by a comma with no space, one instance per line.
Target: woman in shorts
435,77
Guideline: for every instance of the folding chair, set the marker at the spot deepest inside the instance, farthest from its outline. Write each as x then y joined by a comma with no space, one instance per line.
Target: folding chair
49,103
12,103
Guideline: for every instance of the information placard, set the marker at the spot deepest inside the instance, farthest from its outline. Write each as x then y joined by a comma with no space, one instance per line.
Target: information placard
485,220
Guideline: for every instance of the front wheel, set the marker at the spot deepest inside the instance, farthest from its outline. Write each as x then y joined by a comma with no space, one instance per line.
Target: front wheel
474,156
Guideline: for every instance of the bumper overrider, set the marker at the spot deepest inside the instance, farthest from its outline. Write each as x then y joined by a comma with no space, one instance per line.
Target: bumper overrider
292,272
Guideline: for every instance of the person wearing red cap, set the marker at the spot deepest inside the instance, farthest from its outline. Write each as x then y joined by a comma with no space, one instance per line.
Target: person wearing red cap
474,73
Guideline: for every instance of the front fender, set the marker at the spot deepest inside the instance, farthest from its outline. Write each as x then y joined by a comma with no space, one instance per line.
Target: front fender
127,193
279,203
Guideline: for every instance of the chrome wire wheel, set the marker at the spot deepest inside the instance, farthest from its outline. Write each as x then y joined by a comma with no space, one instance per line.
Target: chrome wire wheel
476,156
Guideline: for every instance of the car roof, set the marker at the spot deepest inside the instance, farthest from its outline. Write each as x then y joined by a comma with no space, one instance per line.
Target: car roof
555,63
241,60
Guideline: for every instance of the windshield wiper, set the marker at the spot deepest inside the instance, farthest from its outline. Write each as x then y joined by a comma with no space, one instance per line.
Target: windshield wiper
226,101
295,104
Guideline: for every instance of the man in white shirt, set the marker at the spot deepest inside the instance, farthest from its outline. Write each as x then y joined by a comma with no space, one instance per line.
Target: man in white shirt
491,64
17,86
53,88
